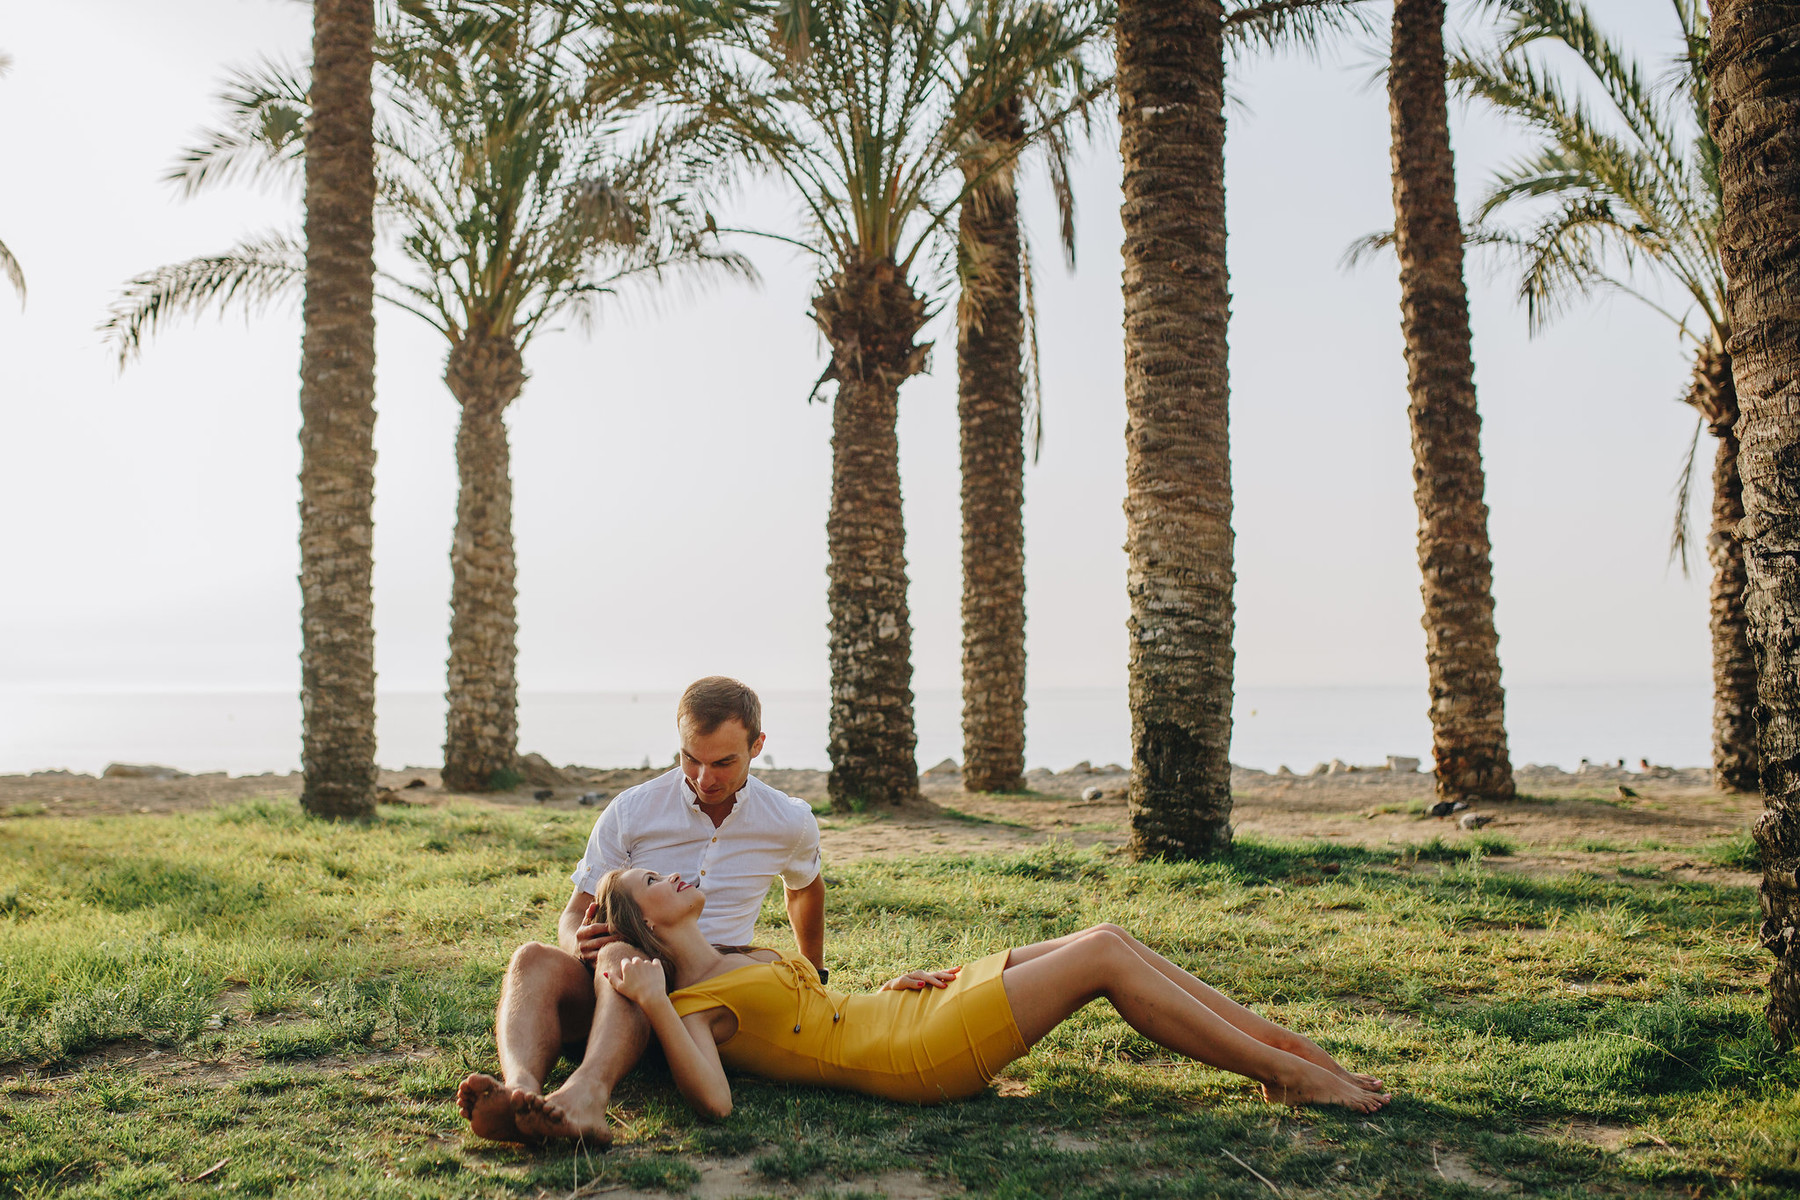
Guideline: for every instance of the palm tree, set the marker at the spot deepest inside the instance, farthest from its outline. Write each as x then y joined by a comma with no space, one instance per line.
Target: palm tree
1462,648
1640,190
518,193
1755,109
855,103
337,421
996,391
1171,73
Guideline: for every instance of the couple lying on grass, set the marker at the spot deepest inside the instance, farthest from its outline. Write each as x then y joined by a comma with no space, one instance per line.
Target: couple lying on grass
654,944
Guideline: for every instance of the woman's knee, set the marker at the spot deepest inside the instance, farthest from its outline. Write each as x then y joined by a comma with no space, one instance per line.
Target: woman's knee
1116,930
1107,941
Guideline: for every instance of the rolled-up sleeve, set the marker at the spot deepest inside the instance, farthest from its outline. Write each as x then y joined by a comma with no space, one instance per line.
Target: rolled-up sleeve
606,851
802,866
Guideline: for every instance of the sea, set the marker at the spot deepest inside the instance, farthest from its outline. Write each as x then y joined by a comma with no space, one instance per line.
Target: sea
246,733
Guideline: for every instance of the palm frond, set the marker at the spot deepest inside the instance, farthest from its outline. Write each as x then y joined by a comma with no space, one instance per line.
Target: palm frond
15,275
1305,26
1034,370
266,108
1632,188
253,275
1684,499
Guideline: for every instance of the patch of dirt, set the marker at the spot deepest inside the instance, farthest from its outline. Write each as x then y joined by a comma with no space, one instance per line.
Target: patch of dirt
732,1178
1453,1167
1566,822
1615,1139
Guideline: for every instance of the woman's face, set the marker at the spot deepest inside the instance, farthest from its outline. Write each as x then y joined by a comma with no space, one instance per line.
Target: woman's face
664,899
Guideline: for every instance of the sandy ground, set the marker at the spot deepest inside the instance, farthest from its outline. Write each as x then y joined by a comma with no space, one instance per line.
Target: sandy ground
1561,820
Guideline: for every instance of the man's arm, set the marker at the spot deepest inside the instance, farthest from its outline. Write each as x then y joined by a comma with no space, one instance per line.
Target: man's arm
574,934
806,914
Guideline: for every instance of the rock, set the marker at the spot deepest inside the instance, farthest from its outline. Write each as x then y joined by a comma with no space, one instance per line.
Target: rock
1283,770
1039,773
947,767
543,794
1444,808
416,783
1084,767
140,771
1115,769
1320,769
1471,820
589,799
1092,793
1339,767
539,773
1399,762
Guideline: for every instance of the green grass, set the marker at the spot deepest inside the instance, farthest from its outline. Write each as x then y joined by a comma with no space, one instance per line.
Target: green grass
301,999
1737,851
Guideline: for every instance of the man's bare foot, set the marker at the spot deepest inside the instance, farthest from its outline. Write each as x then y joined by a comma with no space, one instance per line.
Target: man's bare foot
564,1115
1315,1085
488,1105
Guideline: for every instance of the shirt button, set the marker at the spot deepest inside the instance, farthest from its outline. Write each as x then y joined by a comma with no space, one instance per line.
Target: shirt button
703,872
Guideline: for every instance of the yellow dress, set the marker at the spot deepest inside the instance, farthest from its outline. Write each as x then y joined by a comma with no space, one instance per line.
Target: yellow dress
923,1046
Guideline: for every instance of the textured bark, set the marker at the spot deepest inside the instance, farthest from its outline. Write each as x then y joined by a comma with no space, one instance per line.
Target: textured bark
482,734
869,315
337,420
1735,760
1754,67
1178,467
1462,649
991,411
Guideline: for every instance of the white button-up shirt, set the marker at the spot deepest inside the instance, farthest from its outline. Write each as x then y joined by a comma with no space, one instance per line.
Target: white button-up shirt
658,825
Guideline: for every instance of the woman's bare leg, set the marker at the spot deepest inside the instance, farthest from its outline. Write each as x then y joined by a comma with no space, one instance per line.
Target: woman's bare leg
1046,987
1261,1028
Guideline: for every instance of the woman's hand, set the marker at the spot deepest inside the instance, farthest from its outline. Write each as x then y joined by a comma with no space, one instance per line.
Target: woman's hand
639,980
914,981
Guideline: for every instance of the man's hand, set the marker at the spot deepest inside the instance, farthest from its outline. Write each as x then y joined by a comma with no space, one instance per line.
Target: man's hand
590,936
639,980
914,981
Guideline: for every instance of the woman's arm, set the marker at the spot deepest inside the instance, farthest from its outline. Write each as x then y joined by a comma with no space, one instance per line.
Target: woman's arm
689,1043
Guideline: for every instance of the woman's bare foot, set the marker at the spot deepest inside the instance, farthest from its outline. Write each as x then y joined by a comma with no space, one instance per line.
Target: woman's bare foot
1367,1083
565,1115
1315,1085
488,1106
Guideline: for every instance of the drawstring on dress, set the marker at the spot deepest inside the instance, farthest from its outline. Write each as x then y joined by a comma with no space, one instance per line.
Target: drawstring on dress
803,976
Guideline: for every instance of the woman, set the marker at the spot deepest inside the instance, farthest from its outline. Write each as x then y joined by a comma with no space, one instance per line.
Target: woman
927,1036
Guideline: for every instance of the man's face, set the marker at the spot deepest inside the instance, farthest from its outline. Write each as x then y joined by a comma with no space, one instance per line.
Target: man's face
717,763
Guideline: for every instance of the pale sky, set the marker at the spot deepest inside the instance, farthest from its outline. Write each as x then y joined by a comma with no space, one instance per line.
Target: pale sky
671,482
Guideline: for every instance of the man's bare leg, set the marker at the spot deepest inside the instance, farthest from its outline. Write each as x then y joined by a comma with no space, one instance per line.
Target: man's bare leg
546,992
616,1040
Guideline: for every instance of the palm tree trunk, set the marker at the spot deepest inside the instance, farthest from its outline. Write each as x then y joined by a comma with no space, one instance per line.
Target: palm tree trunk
1754,66
485,374
1735,760
337,420
1462,649
869,315
1178,467
991,410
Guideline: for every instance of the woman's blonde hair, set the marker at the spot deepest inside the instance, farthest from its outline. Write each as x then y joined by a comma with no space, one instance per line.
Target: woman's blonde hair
619,912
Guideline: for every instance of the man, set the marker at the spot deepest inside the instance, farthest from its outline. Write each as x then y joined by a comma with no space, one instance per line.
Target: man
707,820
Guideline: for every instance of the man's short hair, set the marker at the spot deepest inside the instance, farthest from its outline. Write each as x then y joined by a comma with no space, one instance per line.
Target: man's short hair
709,703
